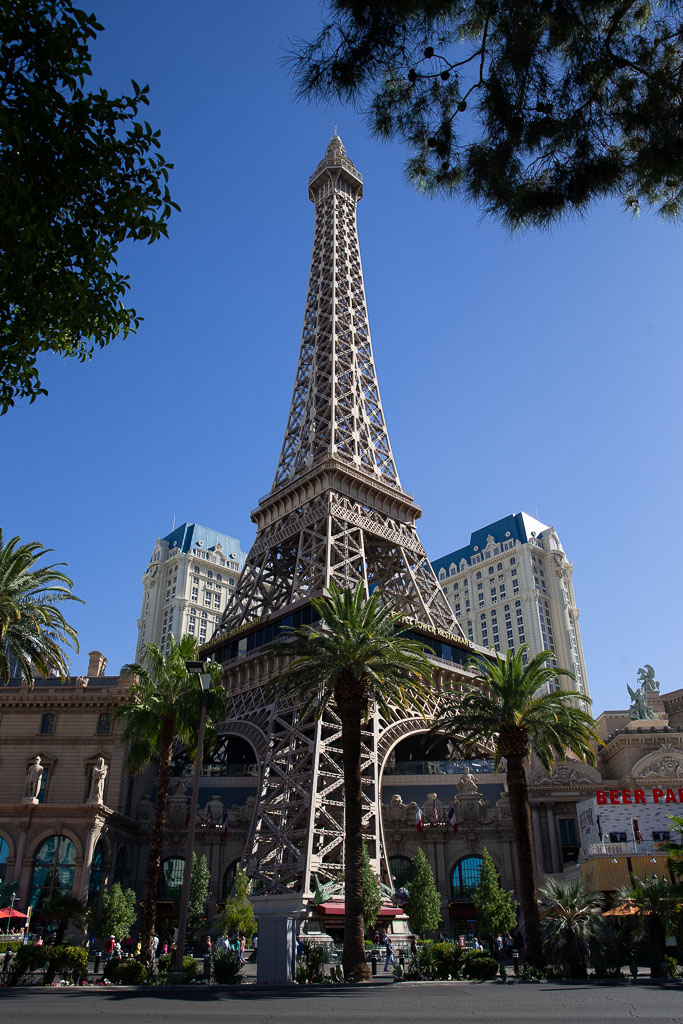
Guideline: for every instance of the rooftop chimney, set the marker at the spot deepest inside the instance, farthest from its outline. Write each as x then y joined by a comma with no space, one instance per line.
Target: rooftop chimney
97,663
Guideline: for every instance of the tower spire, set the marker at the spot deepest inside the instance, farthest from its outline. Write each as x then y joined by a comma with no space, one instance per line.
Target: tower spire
336,510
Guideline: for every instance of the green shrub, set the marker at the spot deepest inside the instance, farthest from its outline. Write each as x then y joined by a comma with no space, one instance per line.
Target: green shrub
131,972
671,966
26,958
69,961
479,965
530,973
111,968
190,969
448,958
227,969
165,966
313,963
14,945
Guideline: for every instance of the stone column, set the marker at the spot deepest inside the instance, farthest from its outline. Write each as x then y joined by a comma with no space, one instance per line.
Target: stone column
18,874
552,834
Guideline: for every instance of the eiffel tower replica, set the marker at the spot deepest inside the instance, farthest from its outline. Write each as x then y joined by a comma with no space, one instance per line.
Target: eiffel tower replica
336,512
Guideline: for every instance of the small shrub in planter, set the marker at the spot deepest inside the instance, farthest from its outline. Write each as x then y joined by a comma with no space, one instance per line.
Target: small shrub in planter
227,969
111,968
190,969
479,965
531,973
131,972
69,961
26,958
447,960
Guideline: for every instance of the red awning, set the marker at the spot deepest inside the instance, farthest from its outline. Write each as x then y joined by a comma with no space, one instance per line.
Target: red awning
332,908
8,912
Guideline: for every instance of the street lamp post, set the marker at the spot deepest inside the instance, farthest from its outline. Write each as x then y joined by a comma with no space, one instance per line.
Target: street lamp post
196,668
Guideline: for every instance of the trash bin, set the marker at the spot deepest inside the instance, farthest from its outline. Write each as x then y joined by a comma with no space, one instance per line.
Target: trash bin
373,964
515,961
97,963
207,967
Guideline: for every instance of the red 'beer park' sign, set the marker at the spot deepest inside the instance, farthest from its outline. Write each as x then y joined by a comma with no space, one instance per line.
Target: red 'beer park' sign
638,796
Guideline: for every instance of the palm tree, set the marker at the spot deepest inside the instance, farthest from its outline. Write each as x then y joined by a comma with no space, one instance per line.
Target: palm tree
163,706
675,850
33,630
354,659
572,917
657,907
64,909
503,706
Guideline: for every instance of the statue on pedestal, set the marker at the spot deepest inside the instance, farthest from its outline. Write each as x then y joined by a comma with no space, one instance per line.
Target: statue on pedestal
468,783
640,710
33,779
99,774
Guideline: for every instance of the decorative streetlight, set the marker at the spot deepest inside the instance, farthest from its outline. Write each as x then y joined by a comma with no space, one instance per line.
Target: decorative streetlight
197,668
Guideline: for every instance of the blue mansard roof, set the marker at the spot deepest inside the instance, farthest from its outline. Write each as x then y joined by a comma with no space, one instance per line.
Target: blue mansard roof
515,527
192,535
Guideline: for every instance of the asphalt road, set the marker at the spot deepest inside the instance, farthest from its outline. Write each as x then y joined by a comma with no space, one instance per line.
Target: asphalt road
432,1002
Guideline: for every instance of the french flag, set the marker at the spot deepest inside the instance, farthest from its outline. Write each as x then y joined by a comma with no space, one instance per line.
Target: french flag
452,818
223,823
418,820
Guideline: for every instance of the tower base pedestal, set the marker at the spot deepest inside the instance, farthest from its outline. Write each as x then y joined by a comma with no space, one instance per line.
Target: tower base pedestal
278,918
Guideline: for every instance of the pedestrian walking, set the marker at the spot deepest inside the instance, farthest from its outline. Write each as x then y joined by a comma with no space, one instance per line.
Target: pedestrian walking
389,958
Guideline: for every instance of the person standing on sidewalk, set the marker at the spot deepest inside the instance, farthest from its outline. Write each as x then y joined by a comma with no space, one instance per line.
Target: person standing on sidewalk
389,959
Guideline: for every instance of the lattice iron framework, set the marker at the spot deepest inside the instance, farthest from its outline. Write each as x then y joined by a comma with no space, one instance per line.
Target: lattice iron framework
336,512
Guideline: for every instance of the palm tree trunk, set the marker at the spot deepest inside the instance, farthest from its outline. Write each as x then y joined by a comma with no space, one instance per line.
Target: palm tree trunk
157,838
521,824
353,961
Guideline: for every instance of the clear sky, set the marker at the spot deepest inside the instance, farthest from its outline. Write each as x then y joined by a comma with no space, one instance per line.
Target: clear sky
538,373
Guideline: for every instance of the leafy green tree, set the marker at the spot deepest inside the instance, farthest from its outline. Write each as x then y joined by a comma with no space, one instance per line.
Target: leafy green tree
532,110
200,880
238,913
424,904
496,908
65,909
572,918
117,914
657,906
503,707
372,896
80,174
355,657
164,705
33,630
675,849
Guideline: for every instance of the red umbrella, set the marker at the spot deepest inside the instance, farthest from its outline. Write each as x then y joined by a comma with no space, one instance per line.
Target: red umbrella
10,912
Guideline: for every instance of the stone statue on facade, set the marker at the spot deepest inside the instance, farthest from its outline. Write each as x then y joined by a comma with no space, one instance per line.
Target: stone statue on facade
468,783
640,709
99,775
33,779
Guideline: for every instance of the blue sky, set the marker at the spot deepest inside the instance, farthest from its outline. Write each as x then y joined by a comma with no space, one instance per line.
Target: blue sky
538,373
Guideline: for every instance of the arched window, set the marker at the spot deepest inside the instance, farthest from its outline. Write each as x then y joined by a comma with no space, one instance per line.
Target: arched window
171,877
119,866
53,869
401,869
466,877
229,879
4,854
95,881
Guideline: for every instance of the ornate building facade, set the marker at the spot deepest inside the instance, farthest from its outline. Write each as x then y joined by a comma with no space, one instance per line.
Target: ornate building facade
187,584
512,584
